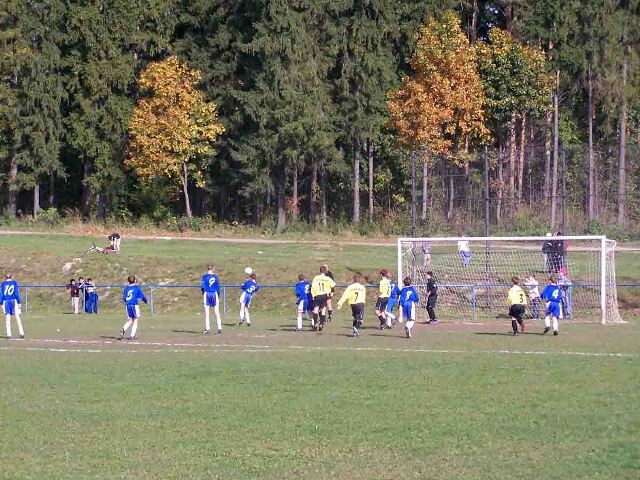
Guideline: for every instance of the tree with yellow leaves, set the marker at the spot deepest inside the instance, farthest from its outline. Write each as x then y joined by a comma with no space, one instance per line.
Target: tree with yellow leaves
173,128
440,106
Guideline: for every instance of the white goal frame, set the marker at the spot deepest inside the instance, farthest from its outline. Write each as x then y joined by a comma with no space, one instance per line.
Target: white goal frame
433,241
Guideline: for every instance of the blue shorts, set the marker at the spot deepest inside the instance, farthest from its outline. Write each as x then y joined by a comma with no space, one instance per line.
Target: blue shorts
391,304
303,306
133,311
210,299
10,307
245,299
409,311
553,309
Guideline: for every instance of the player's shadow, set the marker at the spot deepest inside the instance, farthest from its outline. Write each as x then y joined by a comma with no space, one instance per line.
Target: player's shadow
109,337
193,332
282,328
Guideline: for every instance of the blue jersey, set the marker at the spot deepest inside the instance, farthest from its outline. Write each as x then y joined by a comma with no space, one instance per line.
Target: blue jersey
250,287
9,291
408,295
303,290
552,293
131,295
210,283
395,291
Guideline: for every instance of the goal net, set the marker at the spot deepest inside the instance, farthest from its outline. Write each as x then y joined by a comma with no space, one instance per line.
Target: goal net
474,275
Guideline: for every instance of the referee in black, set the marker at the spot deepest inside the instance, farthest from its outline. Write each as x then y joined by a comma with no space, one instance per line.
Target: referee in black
432,297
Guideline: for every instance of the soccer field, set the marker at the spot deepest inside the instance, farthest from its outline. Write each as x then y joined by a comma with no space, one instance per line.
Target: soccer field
459,401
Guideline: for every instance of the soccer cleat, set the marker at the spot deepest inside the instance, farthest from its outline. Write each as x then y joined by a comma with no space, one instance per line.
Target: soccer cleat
132,338
514,333
248,324
219,332
240,322
22,337
555,332
546,330
122,332
206,332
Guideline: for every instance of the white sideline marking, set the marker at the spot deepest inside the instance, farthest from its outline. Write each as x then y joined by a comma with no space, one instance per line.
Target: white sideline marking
234,347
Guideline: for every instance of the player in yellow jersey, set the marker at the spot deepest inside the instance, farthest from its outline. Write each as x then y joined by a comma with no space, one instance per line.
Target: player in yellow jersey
517,302
384,292
355,295
321,288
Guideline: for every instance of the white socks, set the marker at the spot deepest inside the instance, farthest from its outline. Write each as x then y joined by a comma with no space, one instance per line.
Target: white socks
242,310
134,329
547,323
207,323
18,321
299,321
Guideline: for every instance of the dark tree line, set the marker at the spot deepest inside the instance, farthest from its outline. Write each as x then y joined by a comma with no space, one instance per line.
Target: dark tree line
301,88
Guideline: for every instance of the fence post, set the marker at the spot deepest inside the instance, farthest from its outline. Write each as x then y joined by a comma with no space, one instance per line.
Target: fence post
224,300
151,302
473,303
26,299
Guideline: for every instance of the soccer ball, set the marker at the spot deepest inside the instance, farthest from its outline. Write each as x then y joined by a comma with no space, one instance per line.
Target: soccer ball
248,270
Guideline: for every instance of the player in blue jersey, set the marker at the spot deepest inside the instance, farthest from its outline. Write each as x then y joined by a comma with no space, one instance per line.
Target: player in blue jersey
11,303
408,301
393,299
91,296
249,288
552,294
210,288
132,293
303,302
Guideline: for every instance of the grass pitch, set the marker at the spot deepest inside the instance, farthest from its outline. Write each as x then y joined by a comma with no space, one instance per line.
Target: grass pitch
456,402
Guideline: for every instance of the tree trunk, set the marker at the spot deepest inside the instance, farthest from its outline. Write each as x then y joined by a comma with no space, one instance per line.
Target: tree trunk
500,188
591,211
323,196
474,22
547,157
523,142
294,194
425,185
622,148
313,192
281,201
370,158
13,184
451,195
356,180
556,147
532,154
185,190
52,190
86,188
512,164
36,198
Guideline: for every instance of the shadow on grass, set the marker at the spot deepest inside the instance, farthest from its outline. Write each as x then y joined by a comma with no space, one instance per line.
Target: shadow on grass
110,337
194,332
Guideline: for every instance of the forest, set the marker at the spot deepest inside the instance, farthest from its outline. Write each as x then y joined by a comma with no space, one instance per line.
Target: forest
289,114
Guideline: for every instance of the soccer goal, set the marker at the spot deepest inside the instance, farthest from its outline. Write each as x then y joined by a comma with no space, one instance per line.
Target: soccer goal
474,274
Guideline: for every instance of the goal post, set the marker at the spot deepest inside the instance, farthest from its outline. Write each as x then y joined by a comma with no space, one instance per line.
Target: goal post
474,274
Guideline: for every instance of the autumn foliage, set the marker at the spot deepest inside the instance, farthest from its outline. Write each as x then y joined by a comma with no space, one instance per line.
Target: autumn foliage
173,128
441,104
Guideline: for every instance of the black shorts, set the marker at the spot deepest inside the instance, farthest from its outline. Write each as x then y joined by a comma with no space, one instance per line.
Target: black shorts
381,304
516,311
357,310
320,301
431,301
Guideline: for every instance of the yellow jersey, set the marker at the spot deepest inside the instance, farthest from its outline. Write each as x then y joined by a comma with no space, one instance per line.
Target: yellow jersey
517,296
384,291
322,285
355,293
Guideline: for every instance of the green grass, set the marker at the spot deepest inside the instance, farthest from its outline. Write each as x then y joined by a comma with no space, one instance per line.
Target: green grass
456,402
